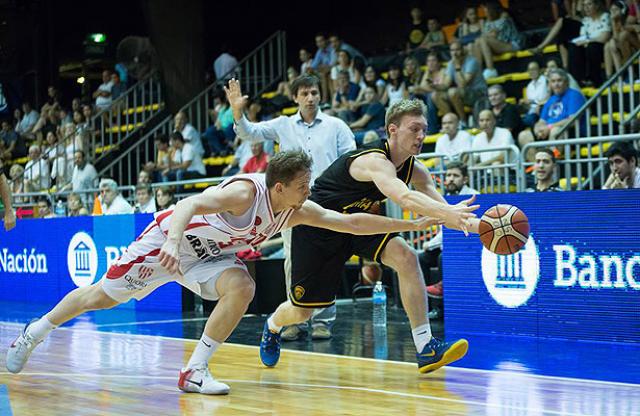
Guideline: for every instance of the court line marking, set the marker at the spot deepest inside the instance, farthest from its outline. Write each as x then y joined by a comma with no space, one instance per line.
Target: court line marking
449,368
162,321
306,385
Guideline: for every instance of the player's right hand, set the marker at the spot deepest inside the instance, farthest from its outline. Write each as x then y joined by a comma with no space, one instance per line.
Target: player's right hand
169,256
460,214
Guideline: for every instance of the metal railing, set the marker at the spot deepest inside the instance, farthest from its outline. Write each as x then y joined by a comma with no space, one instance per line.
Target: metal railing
501,177
258,71
603,114
584,160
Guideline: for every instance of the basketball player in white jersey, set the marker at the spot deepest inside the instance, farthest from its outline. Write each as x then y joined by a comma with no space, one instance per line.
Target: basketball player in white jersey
195,245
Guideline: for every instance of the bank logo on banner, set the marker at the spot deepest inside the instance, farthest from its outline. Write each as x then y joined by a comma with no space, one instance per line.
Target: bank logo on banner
511,280
82,259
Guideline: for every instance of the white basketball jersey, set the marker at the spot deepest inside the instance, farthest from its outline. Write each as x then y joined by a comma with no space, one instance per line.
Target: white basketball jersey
223,233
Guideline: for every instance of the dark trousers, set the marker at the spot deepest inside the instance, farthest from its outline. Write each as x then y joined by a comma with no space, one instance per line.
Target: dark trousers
585,63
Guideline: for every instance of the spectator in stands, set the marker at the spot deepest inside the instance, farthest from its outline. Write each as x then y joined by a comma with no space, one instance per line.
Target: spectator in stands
29,119
344,63
456,183
463,83
372,115
323,61
49,121
345,97
37,176
469,29
412,72
13,143
224,64
103,95
491,137
16,183
117,87
552,63
284,87
84,174
499,35
586,53
324,137
453,140
432,79
242,152
418,30
258,161
54,154
186,162
75,206
371,79
111,199
45,208
219,135
52,100
165,198
556,113
356,56
435,36
456,179
396,88
624,40
545,168
144,202
144,178
188,132
305,61
536,94
623,162
506,114
568,20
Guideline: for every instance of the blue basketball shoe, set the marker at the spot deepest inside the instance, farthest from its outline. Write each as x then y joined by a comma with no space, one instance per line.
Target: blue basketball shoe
439,353
269,346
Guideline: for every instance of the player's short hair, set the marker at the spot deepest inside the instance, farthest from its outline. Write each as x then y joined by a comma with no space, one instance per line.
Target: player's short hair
549,152
624,149
285,166
304,81
402,108
460,166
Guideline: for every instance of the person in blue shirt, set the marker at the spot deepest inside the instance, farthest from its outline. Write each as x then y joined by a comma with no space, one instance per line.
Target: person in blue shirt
556,113
372,115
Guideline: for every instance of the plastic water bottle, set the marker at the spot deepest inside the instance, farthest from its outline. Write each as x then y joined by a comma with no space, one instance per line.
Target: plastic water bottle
60,210
379,305
380,344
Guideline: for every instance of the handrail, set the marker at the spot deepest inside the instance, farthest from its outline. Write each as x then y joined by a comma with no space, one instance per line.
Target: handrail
575,119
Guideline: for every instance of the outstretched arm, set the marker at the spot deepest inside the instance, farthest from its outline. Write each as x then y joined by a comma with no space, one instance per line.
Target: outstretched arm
253,132
236,197
377,168
358,224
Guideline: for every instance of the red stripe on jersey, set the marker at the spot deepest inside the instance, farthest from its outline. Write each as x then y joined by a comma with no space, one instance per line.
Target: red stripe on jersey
196,225
118,270
162,216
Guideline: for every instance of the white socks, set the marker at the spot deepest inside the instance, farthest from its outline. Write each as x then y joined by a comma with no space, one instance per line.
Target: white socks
421,336
273,327
40,328
204,350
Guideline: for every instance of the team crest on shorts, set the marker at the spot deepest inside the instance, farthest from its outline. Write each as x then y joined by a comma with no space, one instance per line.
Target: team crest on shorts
298,292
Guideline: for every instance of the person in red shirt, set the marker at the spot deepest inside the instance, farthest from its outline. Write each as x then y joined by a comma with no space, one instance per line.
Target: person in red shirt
258,162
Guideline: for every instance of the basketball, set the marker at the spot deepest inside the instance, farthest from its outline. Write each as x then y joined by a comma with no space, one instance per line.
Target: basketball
504,229
370,273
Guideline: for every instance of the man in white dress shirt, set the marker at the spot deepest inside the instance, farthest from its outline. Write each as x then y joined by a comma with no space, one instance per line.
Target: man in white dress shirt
321,136
490,137
454,141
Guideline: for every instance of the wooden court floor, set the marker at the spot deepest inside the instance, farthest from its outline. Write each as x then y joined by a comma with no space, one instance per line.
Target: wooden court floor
85,372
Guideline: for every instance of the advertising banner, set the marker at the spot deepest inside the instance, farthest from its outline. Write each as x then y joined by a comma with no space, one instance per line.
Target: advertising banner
41,260
578,276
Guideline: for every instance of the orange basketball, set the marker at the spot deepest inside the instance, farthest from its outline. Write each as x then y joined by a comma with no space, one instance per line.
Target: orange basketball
504,229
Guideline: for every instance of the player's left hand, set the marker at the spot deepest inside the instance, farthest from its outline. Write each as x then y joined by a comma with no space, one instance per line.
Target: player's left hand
169,256
424,223
9,219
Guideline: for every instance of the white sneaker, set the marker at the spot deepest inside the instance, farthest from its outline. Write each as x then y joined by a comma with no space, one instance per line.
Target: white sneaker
199,380
489,73
20,350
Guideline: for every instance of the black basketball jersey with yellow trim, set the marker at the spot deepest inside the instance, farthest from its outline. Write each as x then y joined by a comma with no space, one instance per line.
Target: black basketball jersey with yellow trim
335,189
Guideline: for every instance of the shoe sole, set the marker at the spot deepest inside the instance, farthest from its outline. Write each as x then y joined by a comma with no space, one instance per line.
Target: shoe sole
457,351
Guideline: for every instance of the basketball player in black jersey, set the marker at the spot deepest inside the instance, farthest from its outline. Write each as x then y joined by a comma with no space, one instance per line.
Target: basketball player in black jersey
356,182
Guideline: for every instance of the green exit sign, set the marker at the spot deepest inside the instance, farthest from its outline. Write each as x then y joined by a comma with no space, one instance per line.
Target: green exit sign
98,37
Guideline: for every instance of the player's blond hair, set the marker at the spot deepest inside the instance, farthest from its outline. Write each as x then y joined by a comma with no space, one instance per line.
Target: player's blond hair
402,108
